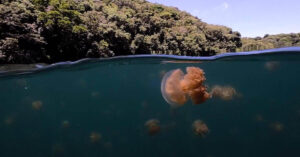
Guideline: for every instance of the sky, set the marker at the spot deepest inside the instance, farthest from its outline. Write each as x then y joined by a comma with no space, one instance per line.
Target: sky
251,18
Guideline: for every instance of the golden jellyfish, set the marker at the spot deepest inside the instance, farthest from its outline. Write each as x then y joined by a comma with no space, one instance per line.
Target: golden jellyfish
177,87
223,92
152,126
200,128
95,137
37,105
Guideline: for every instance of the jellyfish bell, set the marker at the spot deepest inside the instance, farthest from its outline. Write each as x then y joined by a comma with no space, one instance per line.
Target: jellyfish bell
177,87
153,126
37,105
171,90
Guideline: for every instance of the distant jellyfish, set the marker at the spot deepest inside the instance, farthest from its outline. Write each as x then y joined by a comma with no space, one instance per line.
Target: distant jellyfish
200,128
177,87
82,83
223,92
277,126
65,124
95,94
259,118
153,126
22,83
95,137
272,65
9,120
37,105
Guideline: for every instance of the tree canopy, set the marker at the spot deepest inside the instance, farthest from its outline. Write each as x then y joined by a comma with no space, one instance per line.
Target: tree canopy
270,41
58,30
50,31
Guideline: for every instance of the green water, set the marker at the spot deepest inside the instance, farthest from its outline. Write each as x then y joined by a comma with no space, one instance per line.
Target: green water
114,99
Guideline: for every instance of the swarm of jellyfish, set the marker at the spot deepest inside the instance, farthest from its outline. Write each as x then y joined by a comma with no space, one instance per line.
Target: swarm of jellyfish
152,126
177,87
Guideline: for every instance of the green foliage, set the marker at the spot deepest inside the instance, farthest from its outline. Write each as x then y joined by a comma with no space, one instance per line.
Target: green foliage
79,29
270,41
74,29
40,3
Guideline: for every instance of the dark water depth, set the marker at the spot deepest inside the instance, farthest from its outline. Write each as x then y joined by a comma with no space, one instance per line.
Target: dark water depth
100,108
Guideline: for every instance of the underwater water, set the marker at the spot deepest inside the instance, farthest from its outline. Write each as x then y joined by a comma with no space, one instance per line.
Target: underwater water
101,108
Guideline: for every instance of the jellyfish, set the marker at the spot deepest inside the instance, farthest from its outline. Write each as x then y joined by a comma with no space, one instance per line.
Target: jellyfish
259,118
200,128
223,92
95,137
37,105
272,65
171,89
192,84
65,124
9,120
152,126
95,94
177,87
277,126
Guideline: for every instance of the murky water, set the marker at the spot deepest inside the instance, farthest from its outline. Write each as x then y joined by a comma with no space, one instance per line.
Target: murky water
102,109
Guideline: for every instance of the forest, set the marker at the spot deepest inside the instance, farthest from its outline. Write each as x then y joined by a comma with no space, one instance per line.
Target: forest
48,31
270,41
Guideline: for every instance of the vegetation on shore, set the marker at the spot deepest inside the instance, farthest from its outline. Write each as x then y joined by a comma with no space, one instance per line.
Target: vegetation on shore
58,30
50,31
270,41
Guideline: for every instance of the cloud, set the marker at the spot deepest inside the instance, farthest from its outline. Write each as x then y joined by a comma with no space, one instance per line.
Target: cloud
214,11
224,6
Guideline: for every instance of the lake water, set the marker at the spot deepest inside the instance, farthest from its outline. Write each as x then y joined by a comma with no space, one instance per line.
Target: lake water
100,107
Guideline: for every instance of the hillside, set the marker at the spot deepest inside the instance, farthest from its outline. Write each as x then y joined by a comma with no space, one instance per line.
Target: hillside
50,31
270,41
